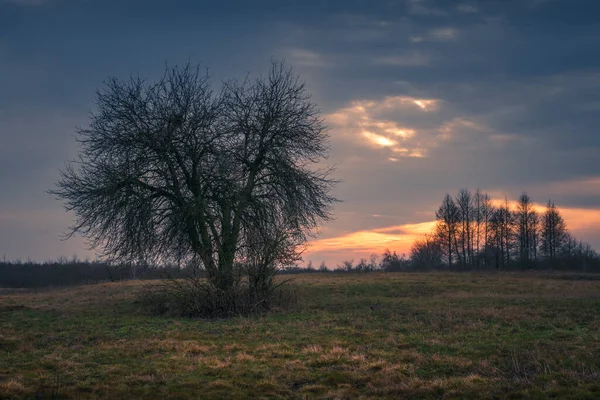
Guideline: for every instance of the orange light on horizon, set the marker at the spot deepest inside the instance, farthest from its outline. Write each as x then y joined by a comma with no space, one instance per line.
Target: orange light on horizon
400,238
360,244
577,219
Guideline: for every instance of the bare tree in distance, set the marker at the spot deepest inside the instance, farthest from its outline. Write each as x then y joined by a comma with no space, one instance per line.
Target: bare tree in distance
323,267
448,219
472,232
426,252
170,171
464,202
487,211
553,233
527,225
502,232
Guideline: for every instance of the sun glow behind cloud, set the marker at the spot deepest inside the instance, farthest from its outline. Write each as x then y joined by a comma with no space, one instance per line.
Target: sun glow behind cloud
403,127
425,105
369,122
378,139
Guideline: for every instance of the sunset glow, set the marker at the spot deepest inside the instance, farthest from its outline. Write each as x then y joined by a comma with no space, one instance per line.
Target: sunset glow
399,238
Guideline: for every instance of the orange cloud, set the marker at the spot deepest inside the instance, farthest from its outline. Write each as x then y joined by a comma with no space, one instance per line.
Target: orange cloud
420,228
581,219
359,244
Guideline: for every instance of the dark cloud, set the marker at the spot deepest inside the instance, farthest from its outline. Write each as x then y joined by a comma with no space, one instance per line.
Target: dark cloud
512,88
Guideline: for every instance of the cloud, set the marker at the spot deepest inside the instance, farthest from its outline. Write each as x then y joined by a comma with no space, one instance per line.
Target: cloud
307,58
425,8
26,2
466,8
514,105
408,59
536,3
405,126
437,35
365,121
460,128
355,245
443,34
578,187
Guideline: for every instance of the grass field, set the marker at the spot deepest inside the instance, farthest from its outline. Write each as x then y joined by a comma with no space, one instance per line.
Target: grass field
350,336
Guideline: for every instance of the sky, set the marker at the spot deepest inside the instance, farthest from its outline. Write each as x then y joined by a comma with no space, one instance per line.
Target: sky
421,97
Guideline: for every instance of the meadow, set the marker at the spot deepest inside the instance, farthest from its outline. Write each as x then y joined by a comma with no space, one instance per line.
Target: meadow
372,335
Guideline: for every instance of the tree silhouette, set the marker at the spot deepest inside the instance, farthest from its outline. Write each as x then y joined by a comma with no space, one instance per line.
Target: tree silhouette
554,232
527,223
464,202
470,229
169,171
447,227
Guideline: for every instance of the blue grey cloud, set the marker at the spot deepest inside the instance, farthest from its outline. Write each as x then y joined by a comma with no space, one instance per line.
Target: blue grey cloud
514,86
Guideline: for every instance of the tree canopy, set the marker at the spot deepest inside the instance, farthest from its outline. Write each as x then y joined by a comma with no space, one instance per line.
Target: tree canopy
174,171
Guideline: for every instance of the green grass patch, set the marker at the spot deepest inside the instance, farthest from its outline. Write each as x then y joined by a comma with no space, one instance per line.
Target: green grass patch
350,336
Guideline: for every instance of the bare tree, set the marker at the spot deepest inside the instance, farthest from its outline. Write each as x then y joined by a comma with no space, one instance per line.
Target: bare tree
464,202
501,234
487,210
478,208
448,219
426,252
553,232
171,171
535,236
496,238
392,262
323,267
527,221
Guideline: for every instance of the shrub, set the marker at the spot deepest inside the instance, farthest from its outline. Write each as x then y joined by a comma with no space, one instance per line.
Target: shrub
196,297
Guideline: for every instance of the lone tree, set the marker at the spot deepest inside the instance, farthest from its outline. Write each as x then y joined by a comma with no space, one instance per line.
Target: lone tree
170,171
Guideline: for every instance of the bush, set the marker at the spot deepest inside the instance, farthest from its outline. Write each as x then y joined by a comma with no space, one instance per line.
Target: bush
197,297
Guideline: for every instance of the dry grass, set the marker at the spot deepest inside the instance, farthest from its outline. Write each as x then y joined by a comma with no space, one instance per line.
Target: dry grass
430,336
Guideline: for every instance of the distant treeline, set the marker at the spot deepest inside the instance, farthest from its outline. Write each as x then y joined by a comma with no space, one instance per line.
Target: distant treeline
473,234
389,262
63,272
